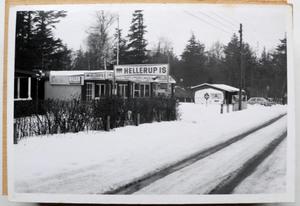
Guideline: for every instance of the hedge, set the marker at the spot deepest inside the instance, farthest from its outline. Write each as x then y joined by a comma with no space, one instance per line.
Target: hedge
59,116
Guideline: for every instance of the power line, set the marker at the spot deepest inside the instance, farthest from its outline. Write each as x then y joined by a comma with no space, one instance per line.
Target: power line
217,20
224,19
205,21
231,21
251,30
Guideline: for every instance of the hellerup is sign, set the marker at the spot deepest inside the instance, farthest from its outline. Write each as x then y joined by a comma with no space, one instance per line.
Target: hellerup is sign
142,69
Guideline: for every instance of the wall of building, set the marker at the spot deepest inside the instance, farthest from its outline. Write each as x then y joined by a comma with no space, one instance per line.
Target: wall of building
62,92
214,96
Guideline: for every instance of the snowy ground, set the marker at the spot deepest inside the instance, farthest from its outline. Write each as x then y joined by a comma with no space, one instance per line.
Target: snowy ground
269,177
95,162
204,175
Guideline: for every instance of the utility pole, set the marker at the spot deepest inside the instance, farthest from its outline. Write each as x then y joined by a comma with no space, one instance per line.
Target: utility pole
114,90
118,42
241,66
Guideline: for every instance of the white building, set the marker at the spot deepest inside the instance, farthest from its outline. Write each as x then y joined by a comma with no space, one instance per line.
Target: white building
96,84
216,94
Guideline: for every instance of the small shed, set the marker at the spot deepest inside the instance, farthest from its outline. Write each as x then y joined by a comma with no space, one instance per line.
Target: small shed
216,94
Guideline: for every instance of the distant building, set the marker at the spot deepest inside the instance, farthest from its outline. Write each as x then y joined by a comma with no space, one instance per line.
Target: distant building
216,94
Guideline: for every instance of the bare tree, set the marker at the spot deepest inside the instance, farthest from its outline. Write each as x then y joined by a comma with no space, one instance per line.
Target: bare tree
99,42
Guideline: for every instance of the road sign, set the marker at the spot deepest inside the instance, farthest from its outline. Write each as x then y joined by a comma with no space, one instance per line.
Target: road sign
206,96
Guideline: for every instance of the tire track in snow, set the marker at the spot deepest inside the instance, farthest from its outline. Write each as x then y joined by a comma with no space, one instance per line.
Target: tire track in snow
149,178
236,177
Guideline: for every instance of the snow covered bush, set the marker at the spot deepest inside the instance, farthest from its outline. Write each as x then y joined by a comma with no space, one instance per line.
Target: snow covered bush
60,116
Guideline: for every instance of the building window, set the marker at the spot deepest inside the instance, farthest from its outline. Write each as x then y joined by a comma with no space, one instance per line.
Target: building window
89,91
136,90
100,90
22,88
142,90
145,90
123,90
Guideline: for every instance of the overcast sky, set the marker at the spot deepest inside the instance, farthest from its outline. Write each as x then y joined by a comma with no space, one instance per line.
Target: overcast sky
263,26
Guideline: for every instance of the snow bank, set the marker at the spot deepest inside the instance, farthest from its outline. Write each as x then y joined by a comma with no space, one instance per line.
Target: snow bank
95,162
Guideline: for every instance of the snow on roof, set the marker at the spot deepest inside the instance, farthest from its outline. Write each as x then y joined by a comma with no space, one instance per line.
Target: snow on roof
226,87
75,72
159,79
223,87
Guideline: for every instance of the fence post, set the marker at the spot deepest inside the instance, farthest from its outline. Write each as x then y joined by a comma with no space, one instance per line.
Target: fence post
222,108
137,119
15,133
107,123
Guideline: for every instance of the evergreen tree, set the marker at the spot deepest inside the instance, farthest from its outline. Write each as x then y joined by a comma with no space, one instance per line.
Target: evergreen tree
193,62
137,43
47,47
232,57
266,77
36,46
81,60
122,43
24,49
280,68
215,64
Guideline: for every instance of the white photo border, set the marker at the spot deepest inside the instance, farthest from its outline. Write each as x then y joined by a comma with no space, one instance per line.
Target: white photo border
289,196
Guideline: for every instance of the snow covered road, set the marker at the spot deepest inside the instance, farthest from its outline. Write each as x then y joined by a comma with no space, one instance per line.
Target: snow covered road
96,162
204,175
270,175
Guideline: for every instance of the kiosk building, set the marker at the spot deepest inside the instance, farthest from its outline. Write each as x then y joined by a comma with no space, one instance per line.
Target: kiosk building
127,81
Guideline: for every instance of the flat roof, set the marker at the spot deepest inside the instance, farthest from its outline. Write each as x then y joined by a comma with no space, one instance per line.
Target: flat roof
133,78
223,87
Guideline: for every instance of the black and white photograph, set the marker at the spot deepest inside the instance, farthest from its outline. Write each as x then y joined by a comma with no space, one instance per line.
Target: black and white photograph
142,100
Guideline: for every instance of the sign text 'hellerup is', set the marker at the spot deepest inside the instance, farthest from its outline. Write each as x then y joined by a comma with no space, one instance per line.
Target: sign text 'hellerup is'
145,69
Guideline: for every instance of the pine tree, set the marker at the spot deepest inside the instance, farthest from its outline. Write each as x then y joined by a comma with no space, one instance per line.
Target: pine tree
137,43
193,62
280,67
122,43
215,63
36,46
24,54
80,61
47,46
232,56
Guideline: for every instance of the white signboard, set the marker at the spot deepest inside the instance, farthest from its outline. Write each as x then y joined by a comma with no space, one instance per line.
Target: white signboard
66,80
142,69
98,75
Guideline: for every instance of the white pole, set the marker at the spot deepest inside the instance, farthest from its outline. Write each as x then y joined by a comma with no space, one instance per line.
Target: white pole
118,50
18,88
29,87
118,41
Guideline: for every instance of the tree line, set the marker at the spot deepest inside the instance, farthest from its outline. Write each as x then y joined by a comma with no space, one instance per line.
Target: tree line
37,48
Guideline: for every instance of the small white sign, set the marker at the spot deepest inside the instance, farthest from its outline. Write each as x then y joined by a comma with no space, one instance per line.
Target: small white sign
98,75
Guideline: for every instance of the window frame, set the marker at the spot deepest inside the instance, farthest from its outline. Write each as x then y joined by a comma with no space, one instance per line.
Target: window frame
90,95
18,88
